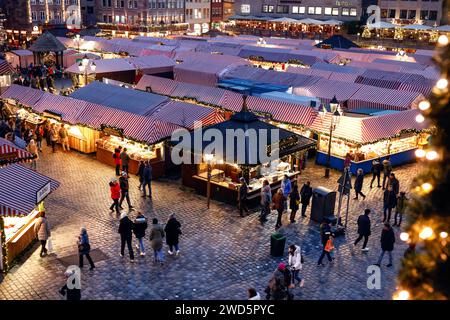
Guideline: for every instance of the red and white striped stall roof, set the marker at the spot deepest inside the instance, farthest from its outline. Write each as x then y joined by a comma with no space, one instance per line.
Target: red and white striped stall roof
325,90
283,111
231,101
375,66
384,99
6,68
403,64
69,108
185,114
18,189
9,147
158,85
25,95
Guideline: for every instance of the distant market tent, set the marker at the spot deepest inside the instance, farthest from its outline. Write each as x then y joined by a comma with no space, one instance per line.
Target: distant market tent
332,22
445,28
284,20
382,25
310,21
417,27
337,42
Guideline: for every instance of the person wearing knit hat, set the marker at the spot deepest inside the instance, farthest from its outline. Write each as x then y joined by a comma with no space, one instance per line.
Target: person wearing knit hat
279,283
282,266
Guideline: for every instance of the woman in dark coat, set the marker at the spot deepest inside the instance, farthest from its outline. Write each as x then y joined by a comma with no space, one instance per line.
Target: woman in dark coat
173,232
389,201
359,184
84,248
387,243
140,225
126,227
294,201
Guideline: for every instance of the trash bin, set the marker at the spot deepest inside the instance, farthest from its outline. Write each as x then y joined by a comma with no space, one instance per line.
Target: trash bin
323,201
277,243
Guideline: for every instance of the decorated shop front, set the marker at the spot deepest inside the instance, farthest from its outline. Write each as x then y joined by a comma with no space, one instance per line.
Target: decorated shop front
22,195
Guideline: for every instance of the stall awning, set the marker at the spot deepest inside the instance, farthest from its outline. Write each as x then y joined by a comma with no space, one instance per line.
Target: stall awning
6,68
67,107
157,85
9,152
24,95
19,189
153,64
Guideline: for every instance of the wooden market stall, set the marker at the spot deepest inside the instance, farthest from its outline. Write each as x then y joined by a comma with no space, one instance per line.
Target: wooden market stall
22,197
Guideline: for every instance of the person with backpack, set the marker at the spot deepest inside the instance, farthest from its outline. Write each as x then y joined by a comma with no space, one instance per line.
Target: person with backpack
116,157
278,284
156,237
84,248
140,225
363,229
126,227
295,265
387,244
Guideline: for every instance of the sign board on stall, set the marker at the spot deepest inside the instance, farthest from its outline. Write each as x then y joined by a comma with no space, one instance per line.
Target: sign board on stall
43,192
9,155
111,131
53,115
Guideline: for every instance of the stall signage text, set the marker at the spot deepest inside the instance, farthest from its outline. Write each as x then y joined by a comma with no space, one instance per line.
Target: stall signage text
112,131
43,192
53,115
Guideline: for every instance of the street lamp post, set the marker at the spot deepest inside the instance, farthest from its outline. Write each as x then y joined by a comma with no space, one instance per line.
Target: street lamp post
334,108
208,159
83,67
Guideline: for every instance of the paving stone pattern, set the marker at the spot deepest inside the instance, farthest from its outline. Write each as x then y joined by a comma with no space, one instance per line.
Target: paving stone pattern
221,256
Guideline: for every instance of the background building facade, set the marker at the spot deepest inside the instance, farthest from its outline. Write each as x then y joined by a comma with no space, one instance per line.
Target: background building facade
426,12
221,10
198,15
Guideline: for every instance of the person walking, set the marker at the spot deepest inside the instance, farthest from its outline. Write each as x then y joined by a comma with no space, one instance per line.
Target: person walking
125,158
387,168
327,242
389,202
363,229
295,265
243,189
54,136
294,201
42,232
305,195
266,200
278,204
64,138
117,161
124,190
394,183
400,208
173,232
359,184
376,172
387,244
39,136
147,179
140,173
47,134
114,188
156,237
140,225
279,284
126,233
74,292
33,149
84,248
347,161
286,186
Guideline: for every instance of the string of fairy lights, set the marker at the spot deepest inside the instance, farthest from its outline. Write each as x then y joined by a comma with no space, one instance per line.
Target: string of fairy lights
422,230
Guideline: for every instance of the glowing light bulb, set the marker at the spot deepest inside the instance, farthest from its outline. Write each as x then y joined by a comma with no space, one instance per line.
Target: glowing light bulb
420,118
443,40
402,295
443,234
442,84
420,153
427,187
432,155
426,233
424,105
404,236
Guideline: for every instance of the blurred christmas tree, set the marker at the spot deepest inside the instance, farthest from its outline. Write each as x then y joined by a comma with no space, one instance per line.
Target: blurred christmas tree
366,32
425,272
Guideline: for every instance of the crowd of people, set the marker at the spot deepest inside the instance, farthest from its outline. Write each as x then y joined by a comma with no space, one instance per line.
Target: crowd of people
38,77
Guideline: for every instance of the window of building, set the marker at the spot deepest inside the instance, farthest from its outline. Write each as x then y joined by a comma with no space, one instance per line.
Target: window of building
105,18
282,9
32,1
345,11
327,11
57,1
391,14
90,10
245,8
353,12
268,9
411,14
433,15
318,10
311,10
335,12
50,1
423,14
403,14
34,15
42,15
383,13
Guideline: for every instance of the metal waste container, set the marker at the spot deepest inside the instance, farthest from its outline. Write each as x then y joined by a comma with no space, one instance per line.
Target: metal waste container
277,243
323,201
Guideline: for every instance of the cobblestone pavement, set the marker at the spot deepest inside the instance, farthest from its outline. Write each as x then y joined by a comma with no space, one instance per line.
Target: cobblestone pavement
221,254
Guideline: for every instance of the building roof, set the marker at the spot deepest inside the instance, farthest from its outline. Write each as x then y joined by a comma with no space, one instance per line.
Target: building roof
47,42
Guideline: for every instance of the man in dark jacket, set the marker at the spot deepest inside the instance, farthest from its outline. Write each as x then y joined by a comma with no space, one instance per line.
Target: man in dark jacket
140,173
387,244
364,229
173,232
140,225
147,179
393,181
243,189
126,233
359,184
305,195
389,203
376,172
124,190
125,158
